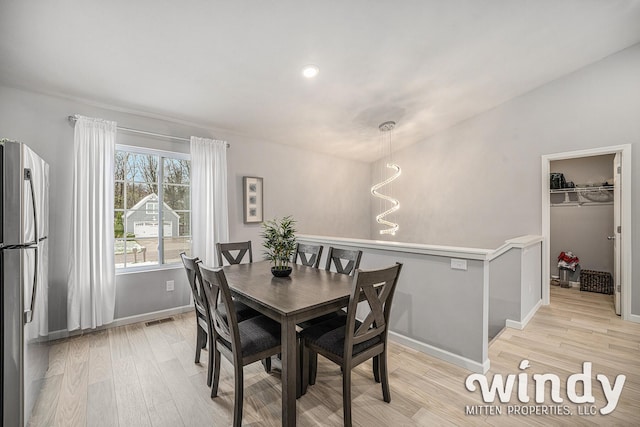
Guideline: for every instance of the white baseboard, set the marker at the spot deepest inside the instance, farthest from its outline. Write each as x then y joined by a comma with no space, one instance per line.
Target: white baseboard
514,324
64,333
440,353
634,318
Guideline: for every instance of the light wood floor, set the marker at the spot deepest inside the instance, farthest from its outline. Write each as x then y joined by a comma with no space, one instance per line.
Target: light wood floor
145,376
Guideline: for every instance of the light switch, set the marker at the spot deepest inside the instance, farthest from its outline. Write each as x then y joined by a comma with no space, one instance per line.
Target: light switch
170,285
458,264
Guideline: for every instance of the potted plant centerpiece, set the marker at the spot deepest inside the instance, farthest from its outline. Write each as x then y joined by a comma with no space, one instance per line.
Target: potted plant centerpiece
280,243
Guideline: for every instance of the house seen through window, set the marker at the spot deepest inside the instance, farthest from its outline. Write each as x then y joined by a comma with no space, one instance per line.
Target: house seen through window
152,215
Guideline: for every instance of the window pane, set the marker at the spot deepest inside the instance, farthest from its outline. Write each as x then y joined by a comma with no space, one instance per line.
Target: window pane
174,246
118,224
142,168
177,197
147,251
118,195
177,171
120,165
176,224
135,252
136,192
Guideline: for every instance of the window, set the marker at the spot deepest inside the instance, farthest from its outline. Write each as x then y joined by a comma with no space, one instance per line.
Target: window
152,215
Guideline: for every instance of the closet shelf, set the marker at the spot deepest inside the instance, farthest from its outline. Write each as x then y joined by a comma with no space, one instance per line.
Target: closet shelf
582,196
582,190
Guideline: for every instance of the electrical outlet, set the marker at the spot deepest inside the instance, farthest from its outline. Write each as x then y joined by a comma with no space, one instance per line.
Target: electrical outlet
170,285
458,264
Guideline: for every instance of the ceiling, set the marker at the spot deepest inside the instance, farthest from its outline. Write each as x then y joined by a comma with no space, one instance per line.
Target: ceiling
236,66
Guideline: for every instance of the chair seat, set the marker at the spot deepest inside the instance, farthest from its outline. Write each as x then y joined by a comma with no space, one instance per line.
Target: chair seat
243,312
329,335
313,322
257,334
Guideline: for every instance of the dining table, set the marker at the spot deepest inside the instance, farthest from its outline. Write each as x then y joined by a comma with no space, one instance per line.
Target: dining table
306,294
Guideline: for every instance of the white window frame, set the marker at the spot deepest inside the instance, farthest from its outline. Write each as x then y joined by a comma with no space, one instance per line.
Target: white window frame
162,154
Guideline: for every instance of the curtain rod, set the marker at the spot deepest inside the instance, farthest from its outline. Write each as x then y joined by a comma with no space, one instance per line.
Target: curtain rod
143,132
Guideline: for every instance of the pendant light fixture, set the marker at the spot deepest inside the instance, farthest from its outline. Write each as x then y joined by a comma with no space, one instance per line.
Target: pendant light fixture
388,204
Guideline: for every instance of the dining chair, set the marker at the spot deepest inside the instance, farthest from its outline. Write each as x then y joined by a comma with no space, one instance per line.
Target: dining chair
349,342
204,330
242,343
338,256
309,254
226,250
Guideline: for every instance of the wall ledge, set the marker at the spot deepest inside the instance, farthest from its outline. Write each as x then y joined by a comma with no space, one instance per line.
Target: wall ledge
415,248
419,248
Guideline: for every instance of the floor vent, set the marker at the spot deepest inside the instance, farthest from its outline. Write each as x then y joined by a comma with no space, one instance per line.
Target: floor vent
157,322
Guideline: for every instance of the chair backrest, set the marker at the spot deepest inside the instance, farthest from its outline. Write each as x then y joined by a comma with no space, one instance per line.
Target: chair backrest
378,287
337,256
225,249
195,280
309,254
216,288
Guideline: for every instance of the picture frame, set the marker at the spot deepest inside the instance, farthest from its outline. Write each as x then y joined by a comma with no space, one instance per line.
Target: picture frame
253,205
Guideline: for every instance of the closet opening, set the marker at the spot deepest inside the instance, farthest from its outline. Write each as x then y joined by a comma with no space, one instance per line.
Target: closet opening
586,222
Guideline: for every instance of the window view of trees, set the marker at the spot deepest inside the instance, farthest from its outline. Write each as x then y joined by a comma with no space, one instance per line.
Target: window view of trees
150,189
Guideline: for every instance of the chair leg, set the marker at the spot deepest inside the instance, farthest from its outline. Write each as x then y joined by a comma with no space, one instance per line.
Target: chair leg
216,371
304,365
210,367
346,396
376,369
299,344
199,340
386,395
313,367
267,365
239,392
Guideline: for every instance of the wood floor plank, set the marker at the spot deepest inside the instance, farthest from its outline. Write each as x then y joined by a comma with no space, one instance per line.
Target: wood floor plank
119,343
72,402
132,409
101,404
57,358
186,398
100,368
44,410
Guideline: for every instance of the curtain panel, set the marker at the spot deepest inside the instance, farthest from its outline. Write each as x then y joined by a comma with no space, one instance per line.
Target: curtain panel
209,206
91,287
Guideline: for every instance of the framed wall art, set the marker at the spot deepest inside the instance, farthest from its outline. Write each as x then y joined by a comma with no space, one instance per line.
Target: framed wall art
253,205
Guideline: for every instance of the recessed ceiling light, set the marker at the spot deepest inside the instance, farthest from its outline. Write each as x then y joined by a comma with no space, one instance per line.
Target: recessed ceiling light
310,71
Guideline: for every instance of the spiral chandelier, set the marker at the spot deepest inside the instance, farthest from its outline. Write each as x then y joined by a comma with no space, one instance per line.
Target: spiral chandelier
388,204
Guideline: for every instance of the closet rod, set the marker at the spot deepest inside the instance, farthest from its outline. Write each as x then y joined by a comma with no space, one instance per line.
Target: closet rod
143,132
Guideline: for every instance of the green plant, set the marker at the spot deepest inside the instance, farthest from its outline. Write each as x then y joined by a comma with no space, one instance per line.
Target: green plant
279,241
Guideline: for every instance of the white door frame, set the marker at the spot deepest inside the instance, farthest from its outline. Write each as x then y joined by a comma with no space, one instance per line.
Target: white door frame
625,212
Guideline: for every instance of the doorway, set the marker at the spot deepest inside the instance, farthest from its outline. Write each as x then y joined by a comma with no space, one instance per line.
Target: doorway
619,229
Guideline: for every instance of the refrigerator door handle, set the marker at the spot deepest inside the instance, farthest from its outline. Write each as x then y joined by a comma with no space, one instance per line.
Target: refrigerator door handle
27,177
28,312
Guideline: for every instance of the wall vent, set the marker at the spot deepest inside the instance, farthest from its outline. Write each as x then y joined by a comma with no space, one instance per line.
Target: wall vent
159,321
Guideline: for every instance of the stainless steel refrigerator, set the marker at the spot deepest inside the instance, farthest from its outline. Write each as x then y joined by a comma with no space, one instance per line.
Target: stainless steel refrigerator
24,216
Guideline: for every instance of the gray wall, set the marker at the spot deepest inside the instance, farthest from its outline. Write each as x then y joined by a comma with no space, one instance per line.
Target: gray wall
583,229
433,303
329,196
479,182
505,274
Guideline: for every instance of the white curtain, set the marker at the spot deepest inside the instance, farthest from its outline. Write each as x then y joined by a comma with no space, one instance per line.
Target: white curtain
92,288
209,206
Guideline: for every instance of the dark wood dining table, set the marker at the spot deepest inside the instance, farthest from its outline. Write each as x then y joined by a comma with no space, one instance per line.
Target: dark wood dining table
306,294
